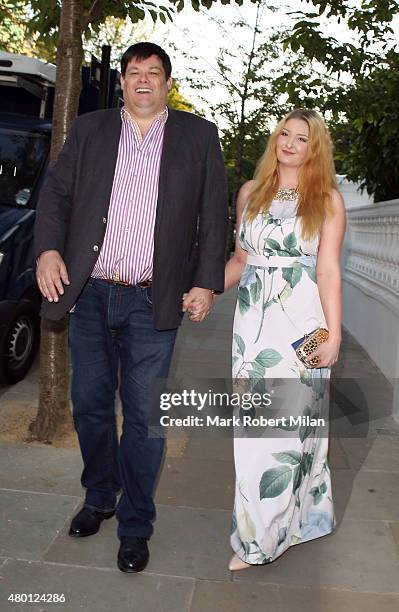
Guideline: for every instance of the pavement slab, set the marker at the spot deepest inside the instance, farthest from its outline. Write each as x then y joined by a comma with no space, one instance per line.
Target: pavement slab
379,453
366,495
41,468
191,542
242,597
31,521
90,589
360,556
197,483
395,532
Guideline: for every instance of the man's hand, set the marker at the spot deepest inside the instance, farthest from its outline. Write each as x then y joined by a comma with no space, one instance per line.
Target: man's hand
198,303
51,275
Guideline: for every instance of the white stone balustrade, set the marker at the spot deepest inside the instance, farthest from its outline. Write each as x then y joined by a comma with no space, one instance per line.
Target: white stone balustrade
371,261
370,271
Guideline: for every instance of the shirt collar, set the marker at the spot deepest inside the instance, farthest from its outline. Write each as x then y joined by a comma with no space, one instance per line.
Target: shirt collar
128,119
162,116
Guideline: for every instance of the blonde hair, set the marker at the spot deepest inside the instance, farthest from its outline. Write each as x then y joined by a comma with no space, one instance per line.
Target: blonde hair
316,175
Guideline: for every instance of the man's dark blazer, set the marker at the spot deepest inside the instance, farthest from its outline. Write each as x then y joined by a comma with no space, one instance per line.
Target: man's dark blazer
191,216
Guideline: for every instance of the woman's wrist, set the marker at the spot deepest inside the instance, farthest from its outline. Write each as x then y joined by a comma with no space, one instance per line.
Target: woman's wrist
335,336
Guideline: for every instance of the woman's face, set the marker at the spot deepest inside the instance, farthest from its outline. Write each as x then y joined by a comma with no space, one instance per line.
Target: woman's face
292,143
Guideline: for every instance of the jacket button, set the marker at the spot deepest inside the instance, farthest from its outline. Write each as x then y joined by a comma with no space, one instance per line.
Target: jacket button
95,248
104,220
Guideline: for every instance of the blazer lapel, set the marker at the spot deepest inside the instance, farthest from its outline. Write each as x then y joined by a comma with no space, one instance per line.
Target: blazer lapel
171,140
107,160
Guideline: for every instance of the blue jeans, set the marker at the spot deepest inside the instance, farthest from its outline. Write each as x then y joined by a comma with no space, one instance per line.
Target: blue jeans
111,331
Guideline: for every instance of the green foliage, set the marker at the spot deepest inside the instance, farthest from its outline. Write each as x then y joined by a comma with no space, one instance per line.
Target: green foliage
362,109
366,143
12,26
246,100
44,15
178,101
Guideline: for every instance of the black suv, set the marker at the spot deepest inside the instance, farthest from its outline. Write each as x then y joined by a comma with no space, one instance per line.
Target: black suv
24,150
26,108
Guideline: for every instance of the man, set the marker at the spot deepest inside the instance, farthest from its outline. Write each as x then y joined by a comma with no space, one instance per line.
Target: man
131,216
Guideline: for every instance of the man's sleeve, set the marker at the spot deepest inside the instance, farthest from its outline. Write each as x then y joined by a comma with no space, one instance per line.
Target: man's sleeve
212,230
55,199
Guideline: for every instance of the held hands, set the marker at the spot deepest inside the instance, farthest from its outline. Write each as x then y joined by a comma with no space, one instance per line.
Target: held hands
51,275
198,303
327,352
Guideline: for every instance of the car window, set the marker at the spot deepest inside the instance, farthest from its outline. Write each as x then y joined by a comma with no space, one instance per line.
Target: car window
22,155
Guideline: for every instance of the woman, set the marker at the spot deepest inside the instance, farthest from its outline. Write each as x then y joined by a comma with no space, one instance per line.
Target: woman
290,216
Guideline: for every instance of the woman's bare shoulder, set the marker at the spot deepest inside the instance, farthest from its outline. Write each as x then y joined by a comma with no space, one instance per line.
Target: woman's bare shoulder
337,201
244,193
246,189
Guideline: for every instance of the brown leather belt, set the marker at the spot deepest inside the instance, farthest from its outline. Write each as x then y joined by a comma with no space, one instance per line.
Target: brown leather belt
143,284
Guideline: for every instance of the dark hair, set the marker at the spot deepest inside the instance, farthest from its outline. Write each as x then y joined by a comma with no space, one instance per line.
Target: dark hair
144,50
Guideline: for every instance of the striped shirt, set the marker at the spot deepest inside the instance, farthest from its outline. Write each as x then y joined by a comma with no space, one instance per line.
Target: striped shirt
127,251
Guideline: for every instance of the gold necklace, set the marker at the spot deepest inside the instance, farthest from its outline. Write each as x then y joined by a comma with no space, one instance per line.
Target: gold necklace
287,194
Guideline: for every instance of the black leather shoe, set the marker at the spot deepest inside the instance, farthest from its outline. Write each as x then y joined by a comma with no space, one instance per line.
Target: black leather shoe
133,554
87,522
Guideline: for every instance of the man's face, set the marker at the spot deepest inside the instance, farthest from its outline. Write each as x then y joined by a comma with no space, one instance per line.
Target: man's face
145,88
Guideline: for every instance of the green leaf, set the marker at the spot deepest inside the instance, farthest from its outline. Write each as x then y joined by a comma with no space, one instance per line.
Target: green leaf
233,524
311,272
240,344
290,241
257,371
296,275
273,244
244,300
287,274
282,534
306,463
274,481
305,430
298,475
286,292
305,377
292,457
270,303
256,289
268,358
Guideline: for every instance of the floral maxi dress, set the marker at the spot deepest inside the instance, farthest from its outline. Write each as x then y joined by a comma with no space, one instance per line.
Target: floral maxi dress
283,485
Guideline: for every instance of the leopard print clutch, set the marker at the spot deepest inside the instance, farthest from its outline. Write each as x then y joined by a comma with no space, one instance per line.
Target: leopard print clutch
309,344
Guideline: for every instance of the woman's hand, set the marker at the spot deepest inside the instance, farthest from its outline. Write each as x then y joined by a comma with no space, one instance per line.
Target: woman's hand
327,353
198,307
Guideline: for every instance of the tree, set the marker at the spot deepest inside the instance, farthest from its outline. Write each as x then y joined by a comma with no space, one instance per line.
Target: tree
367,140
245,101
53,409
355,88
63,25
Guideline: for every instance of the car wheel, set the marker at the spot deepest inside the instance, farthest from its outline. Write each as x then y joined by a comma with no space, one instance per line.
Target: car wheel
19,343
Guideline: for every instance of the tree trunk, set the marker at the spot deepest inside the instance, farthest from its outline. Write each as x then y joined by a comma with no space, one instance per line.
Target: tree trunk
54,409
241,139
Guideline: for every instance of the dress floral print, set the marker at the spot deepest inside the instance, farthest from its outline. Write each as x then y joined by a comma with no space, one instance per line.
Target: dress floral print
283,485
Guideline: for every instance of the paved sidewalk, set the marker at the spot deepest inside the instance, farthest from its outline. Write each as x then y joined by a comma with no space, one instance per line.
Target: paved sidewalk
354,570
